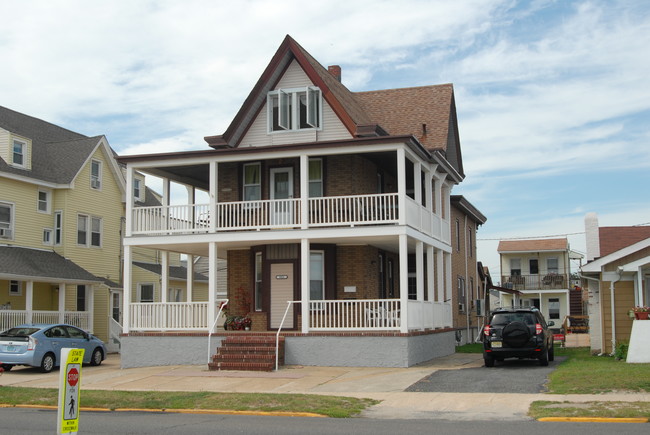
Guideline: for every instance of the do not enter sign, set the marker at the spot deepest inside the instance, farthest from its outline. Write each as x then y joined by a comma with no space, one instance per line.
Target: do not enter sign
73,377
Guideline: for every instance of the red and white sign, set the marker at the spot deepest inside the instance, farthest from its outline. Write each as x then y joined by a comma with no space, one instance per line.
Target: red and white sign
73,376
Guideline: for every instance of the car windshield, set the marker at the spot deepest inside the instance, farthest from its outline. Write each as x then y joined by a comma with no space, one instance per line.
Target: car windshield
505,318
19,332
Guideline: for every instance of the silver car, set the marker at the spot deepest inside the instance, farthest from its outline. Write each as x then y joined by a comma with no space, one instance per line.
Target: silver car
39,345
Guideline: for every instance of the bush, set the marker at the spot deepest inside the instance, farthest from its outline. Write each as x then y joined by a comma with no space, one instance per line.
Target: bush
620,353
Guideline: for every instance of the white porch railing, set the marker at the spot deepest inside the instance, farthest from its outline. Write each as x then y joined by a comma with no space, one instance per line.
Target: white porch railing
353,210
429,315
275,213
11,318
158,316
352,315
171,219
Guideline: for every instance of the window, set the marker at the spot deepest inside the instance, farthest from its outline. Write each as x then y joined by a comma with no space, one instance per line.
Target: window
47,236
534,267
82,230
81,298
145,292
19,153
43,201
6,220
258,281
316,276
252,182
174,294
58,227
136,189
412,281
315,178
469,242
96,174
461,293
457,235
554,308
294,109
15,288
552,265
95,230
515,266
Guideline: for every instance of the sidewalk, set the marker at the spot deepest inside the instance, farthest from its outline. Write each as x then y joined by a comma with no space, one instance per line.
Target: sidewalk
385,384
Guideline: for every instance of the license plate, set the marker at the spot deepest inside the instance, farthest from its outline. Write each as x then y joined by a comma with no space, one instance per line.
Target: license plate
496,344
12,348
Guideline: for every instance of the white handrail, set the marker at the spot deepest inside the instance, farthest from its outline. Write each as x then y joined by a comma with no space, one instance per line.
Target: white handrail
216,319
277,334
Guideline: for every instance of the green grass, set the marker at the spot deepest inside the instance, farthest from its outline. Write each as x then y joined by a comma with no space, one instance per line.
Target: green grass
542,409
470,348
331,406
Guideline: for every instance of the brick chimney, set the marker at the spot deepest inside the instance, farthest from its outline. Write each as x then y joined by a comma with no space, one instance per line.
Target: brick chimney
335,70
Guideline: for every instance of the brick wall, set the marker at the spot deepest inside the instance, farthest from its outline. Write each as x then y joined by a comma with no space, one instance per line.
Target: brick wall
239,281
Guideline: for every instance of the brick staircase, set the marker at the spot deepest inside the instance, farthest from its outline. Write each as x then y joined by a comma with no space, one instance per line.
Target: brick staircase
247,352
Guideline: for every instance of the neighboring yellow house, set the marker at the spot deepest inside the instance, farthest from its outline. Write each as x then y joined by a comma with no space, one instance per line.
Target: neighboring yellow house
62,205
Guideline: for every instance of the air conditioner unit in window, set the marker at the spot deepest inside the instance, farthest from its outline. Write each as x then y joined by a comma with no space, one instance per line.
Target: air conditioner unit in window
461,307
5,232
94,183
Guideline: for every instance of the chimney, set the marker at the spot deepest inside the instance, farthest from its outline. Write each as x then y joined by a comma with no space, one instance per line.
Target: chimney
592,236
335,70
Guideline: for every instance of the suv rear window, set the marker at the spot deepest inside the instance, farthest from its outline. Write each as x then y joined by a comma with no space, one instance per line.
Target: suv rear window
505,318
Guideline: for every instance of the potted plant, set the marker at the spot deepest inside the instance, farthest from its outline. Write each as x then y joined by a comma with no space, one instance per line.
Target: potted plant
641,313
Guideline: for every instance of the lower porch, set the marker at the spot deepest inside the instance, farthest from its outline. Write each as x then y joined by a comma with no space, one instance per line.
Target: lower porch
10,318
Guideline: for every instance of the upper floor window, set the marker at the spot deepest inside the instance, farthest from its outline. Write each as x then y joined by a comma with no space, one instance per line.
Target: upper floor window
515,266
457,235
534,266
15,288
6,220
89,231
252,182
137,189
552,265
44,201
315,178
58,227
19,153
294,109
470,249
96,174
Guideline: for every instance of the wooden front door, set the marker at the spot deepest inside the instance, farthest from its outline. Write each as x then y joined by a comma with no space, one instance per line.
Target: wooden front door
281,292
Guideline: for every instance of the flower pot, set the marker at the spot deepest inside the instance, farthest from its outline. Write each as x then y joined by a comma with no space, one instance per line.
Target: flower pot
641,315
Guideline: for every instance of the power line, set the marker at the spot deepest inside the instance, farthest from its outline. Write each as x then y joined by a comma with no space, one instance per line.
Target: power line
531,237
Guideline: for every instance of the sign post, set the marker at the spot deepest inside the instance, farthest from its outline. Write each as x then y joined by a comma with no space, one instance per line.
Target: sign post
69,388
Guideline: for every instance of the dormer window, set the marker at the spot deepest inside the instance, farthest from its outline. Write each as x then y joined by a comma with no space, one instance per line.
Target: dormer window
295,109
19,153
96,174
137,190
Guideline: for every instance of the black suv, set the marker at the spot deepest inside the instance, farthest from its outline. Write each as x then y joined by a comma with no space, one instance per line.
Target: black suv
517,333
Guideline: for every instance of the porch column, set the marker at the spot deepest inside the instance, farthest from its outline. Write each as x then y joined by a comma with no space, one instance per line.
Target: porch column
448,285
191,201
129,200
430,273
419,279
403,282
214,196
212,284
29,299
165,202
304,284
127,284
61,302
638,284
401,185
304,191
190,277
438,197
440,268
90,306
428,191
164,276
417,182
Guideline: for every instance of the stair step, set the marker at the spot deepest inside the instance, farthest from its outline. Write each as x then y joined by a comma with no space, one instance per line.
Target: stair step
246,349
247,366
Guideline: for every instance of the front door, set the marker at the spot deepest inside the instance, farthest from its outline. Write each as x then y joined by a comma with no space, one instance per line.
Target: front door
281,190
281,292
116,306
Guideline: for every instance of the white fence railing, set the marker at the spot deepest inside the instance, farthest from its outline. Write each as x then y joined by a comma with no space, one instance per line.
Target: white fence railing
351,315
158,316
353,210
275,213
11,318
429,315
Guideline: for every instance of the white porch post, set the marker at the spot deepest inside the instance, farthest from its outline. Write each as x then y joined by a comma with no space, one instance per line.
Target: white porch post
29,300
430,273
638,284
419,278
401,185
165,201
190,277
417,181
448,285
90,306
212,284
164,276
304,284
61,302
129,200
127,284
403,282
304,191
440,267
214,196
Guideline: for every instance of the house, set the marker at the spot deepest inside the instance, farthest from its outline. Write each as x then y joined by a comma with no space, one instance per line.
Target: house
61,226
541,270
468,301
617,278
332,209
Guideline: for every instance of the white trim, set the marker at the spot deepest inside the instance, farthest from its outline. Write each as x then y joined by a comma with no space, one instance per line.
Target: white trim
596,265
96,182
48,201
23,146
12,221
139,292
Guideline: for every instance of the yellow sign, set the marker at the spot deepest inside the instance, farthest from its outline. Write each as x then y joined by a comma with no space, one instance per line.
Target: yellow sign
69,388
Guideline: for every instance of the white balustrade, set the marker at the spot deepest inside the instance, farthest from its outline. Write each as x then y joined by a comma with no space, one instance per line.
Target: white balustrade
351,315
158,316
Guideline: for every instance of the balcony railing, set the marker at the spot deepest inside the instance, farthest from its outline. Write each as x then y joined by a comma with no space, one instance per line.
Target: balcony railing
11,318
158,316
549,281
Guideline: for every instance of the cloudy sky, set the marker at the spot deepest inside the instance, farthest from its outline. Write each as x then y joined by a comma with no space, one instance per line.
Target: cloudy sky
553,97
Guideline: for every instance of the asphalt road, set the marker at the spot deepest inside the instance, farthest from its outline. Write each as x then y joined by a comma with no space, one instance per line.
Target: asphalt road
14,421
509,376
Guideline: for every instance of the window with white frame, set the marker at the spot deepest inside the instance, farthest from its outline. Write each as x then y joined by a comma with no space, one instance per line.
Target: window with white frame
15,288
315,178
44,201
552,265
258,281
554,308
95,232
137,189
461,293
96,174
47,236
145,292
515,266
19,153
294,109
89,231
316,275
58,227
81,298
174,294
252,181
6,220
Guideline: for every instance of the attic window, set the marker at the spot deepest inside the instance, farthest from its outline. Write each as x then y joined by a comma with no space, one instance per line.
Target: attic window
19,153
294,109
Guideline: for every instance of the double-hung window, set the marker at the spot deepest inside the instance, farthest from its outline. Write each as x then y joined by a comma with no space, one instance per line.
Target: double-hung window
145,292
89,231
58,227
552,265
252,182
19,153
44,201
6,220
315,178
96,174
295,109
137,189
316,275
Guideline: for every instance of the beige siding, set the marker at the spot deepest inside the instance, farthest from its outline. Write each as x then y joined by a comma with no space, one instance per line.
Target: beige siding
258,135
4,144
623,302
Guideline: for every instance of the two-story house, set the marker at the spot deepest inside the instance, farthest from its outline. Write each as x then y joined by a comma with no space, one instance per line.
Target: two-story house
540,269
332,209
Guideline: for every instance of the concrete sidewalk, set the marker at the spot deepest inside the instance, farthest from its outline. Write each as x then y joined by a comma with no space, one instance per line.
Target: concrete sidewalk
385,384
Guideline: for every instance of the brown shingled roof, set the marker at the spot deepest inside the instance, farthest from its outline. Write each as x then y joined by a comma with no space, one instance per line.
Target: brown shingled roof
533,245
613,239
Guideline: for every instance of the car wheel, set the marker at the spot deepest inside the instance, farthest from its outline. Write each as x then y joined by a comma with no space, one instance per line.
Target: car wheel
489,361
47,364
551,353
515,334
97,357
7,367
543,359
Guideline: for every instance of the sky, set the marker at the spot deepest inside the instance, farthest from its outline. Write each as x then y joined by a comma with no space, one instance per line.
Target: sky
553,97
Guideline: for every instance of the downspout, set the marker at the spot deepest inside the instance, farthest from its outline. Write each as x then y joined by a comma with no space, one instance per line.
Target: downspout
467,306
619,271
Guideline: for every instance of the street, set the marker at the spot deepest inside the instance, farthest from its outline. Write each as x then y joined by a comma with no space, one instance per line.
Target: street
18,421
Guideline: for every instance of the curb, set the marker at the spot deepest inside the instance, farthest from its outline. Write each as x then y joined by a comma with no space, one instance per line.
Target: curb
596,419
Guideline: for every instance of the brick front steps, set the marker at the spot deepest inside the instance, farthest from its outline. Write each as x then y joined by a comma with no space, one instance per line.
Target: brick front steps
245,352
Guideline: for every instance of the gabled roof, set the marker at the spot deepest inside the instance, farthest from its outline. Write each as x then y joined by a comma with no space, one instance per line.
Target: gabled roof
25,263
533,245
460,202
613,239
427,113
